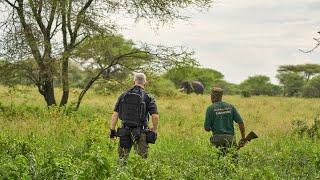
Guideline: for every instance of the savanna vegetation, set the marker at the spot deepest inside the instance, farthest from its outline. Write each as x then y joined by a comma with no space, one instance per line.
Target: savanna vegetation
41,143
56,55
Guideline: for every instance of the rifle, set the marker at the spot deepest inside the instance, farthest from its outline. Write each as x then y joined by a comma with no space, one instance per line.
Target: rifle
250,137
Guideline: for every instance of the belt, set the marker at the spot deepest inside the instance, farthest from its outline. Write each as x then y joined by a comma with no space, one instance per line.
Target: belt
144,127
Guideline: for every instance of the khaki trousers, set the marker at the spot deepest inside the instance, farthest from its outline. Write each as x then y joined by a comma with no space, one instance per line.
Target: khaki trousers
223,142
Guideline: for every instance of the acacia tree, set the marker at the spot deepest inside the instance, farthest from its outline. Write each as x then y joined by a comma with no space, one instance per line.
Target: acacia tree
308,70
292,83
208,77
259,85
312,88
38,23
106,55
50,30
111,56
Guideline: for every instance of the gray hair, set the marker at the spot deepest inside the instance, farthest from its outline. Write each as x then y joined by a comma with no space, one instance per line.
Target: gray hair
140,78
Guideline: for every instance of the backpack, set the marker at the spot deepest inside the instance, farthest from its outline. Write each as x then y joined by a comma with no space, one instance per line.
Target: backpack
133,109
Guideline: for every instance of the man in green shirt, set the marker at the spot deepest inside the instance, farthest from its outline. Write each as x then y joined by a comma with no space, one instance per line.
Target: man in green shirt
219,119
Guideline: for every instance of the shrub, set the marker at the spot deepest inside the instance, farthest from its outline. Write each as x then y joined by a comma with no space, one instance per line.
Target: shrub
310,92
312,88
260,85
245,93
302,129
292,83
160,86
209,77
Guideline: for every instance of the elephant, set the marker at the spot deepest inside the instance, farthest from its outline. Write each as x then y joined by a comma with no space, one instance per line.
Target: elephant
192,86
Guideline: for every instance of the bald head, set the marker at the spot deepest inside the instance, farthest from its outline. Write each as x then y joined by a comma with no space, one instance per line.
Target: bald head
216,94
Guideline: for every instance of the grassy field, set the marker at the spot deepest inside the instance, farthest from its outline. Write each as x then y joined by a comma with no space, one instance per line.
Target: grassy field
37,143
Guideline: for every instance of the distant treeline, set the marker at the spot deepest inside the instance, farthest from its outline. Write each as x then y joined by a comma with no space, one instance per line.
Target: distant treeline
295,80
106,64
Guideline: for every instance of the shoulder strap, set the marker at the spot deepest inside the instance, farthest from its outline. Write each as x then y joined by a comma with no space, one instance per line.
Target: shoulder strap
143,94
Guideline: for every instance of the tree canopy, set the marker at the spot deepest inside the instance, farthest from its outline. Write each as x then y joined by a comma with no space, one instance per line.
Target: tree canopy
48,31
209,77
312,88
308,70
292,83
260,85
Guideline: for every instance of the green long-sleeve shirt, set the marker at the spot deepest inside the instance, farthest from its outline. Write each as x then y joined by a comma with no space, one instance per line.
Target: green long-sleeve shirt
220,117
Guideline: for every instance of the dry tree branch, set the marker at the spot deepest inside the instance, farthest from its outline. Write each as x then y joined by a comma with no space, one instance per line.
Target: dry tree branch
314,48
11,4
52,15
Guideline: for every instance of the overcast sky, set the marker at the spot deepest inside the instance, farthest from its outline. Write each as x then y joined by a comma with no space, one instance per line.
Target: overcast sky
242,38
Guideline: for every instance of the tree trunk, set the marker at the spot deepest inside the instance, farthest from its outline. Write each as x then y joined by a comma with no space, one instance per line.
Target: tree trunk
65,80
88,86
308,77
48,93
46,87
84,91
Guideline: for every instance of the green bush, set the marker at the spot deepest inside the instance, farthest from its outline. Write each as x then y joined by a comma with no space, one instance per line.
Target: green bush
160,86
245,94
228,88
112,86
209,77
310,91
302,129
312,88
292,83
260,85
41,143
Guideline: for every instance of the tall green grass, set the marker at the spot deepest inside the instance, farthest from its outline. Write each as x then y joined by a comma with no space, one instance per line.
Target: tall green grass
41,143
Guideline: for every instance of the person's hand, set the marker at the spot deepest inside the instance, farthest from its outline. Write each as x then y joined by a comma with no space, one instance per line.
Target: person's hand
242,142
153,129
113,133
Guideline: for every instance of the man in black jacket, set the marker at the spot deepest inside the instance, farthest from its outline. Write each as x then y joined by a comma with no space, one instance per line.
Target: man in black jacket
133,108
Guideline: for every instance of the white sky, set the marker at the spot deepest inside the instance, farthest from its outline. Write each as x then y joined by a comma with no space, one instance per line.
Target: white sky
241,38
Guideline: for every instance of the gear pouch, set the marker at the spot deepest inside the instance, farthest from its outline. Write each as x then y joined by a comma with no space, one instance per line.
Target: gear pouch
125,139
136,133
122,132
151,137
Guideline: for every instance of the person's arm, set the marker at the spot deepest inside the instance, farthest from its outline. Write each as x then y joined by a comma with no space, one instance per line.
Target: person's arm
113,123
242,130
115,115
153,111
243,140
155,121
114,120
208,120
237,118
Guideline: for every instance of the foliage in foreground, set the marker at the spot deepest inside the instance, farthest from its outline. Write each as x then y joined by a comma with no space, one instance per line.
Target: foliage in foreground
61,144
